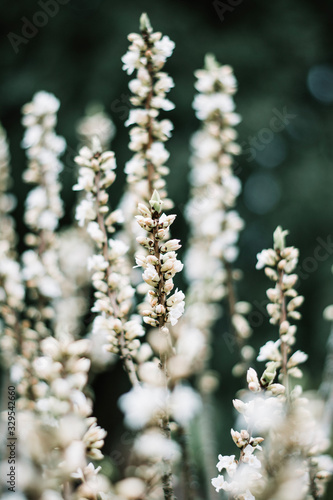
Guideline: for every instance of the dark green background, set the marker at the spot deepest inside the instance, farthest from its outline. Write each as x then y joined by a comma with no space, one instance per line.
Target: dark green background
273,47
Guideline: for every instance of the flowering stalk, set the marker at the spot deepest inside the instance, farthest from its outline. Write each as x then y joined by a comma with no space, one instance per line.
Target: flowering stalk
110,279
213,220
160,267
40,270
147,54
146,169
293,442
44,206
279,264
214,230
11,287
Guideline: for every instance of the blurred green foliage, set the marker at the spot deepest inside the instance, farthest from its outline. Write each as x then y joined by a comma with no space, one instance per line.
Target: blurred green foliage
282,57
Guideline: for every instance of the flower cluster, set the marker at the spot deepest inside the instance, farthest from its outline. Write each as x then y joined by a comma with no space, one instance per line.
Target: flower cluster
294,438
43,204
11,287
211,214
279,264
146,170
73,304
110,277
47,365
160,265
96,123
59,433
44,207
7,200
146,403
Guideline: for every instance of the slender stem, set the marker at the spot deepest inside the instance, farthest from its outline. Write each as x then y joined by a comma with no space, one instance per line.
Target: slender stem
232,301
208,445
313,488
188,489
326,386
67,491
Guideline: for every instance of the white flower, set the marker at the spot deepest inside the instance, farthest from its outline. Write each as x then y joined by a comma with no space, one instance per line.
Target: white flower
162,103
103,325
176,312
45,368
218,483
266,258
138,116
191,342
85,211
270,351
44,103
157,153
74,456
228,463
141,404
86,180
150,275
135,165
154,446
249,458
297,358
37,198
134,328
164,83
131,61
95,232
118,248
177,297
328,313
97,263
184,404
32,266
165,46
49,287
131,488
48,220
252,380
205,105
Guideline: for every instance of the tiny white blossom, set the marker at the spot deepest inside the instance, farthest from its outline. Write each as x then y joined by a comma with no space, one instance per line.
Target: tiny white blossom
85,211
176,312
218,482
270,351
95,232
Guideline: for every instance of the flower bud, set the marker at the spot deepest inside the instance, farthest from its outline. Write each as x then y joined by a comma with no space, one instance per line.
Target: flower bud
269,374
295,303
271,274
156,202
276,389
